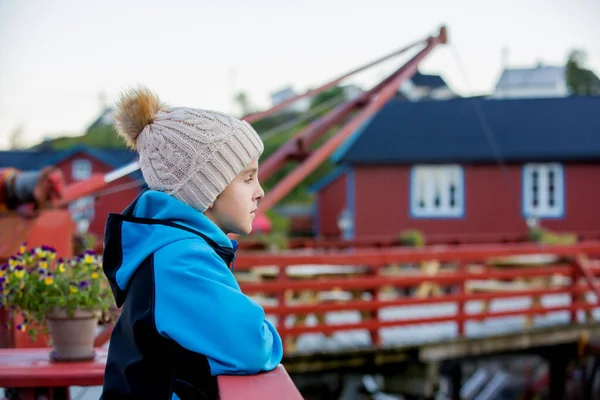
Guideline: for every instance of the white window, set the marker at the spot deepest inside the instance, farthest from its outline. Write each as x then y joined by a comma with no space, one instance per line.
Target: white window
543,190
82,169
437,191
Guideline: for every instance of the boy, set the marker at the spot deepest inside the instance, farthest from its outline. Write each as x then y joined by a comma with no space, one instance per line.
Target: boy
184,319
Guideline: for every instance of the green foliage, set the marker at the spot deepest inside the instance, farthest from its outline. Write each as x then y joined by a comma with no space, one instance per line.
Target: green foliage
326,96
99,136
411,238
279,223
545,236
83,242
277,241
581,81
35,283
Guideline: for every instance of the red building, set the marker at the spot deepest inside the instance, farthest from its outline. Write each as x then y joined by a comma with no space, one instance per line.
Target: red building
466,168
79,163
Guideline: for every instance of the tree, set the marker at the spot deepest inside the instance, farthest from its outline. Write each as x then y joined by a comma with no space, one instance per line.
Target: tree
326,96
244,103
15,140
581,81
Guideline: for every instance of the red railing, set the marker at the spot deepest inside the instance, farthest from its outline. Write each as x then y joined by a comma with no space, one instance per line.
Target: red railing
467,270
385,241
268,386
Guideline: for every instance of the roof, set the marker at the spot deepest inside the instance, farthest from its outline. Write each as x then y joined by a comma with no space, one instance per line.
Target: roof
430,81
37,159
558,129
328,179
25,159
532,77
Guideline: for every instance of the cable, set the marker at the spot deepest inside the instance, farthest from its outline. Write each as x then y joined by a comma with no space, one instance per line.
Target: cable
290,124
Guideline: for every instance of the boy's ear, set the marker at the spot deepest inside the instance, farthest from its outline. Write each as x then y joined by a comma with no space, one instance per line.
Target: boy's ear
210,206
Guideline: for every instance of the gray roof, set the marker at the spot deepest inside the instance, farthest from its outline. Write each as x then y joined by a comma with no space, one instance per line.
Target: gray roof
539,76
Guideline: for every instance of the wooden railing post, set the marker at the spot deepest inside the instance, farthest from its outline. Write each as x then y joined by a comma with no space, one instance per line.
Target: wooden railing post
581,263
575,294
281,297
374,314
461,309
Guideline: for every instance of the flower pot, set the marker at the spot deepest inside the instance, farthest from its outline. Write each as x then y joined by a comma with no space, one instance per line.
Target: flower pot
72,336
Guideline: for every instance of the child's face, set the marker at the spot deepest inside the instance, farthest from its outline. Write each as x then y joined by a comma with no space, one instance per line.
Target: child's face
234,210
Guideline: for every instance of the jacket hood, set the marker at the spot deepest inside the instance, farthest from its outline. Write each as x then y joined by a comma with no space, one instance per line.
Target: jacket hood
152,221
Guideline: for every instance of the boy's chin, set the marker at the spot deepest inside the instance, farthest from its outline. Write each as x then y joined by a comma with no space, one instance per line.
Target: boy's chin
241,230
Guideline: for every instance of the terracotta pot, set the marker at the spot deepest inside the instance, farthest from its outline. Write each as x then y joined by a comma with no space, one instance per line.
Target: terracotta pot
73,336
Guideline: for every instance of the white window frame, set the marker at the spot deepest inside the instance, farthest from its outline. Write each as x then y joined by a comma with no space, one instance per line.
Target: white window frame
81,169
543,209
432,183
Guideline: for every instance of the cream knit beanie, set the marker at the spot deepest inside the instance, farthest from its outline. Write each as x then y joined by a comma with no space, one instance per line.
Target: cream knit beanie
188,153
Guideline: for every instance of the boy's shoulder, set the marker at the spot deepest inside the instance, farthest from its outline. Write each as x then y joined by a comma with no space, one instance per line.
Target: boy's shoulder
191,249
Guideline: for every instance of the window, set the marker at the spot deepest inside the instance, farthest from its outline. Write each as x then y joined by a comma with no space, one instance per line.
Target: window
82,169
437,191
543,190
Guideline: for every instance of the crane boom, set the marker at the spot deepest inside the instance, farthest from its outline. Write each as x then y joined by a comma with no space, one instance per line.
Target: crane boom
384,92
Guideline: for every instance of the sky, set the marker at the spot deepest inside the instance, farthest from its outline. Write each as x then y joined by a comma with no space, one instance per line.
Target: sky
62,61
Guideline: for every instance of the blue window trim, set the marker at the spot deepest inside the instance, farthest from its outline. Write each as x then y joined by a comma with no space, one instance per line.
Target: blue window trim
563,211
462,214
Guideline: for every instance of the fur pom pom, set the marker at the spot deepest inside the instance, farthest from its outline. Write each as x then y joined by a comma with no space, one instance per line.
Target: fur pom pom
135,109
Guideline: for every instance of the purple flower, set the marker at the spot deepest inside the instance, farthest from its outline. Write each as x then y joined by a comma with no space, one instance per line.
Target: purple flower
2,280
84,284
4,267
19,268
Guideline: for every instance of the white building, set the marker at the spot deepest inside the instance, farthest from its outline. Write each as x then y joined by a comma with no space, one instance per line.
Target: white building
539,82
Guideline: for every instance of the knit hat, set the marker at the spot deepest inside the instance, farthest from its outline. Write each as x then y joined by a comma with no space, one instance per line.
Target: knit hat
189,153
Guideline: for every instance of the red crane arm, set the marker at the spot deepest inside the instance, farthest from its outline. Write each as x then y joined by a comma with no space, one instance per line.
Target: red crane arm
378,97
311,133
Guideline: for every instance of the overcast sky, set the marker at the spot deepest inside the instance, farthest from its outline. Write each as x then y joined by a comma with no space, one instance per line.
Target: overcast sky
59,58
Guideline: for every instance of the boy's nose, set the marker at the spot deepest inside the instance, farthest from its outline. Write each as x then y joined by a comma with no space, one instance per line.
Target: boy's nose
260,194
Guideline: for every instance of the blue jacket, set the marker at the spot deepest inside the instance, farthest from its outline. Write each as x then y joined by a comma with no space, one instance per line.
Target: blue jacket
184,319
